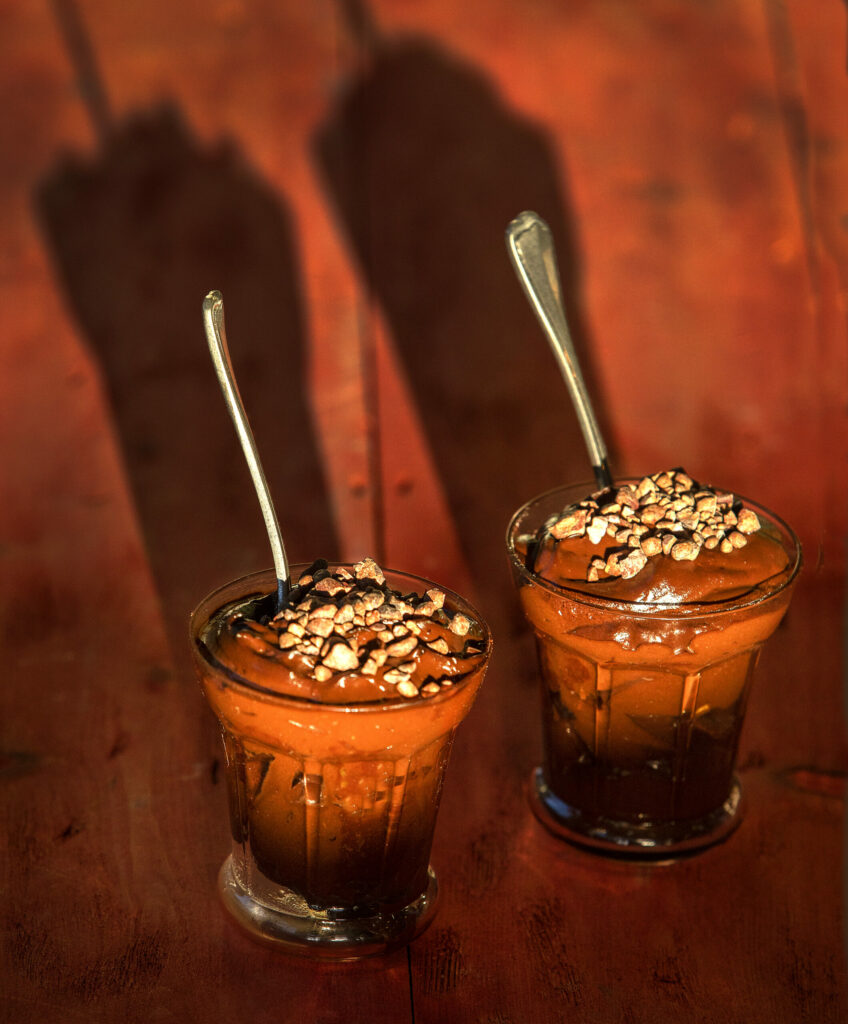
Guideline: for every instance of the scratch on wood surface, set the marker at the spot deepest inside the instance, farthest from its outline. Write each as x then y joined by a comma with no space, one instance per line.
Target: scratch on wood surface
674,986
804,973
548,947
73,828
488,860
444,964
43,960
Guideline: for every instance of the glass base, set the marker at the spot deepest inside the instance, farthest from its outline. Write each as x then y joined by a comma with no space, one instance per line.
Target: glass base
649,840
315,933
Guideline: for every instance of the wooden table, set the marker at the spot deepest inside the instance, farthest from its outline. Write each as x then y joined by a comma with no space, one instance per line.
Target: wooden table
344,175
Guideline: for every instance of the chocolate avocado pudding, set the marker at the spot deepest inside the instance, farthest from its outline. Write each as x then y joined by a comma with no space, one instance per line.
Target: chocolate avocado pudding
649,602
338,714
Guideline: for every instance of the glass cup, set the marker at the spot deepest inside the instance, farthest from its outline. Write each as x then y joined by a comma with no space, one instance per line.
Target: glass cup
642,706
332,807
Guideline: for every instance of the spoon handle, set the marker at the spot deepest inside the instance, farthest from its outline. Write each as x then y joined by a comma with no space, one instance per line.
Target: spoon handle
531,249
216,337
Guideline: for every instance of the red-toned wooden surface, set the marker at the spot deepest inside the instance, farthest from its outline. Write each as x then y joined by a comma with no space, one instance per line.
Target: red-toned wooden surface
344,175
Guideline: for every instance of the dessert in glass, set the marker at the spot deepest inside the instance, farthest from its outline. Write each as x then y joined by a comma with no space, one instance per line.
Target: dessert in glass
649,601
337,715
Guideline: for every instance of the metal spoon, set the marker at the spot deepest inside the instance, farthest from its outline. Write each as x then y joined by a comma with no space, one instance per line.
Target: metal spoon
531,249
216,337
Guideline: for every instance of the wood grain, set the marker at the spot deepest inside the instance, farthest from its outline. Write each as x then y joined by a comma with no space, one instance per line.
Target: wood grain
349,191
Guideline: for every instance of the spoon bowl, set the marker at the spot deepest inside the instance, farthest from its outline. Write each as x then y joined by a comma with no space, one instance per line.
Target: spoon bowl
531,249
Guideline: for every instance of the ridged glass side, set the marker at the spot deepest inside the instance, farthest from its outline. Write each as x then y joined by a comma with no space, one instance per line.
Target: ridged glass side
343,837
640,744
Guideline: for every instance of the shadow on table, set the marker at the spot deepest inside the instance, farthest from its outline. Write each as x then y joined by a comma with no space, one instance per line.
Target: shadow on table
138,235
425,167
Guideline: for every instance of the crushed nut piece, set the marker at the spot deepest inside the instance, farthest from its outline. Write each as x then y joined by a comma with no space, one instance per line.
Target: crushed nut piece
652,514
373,599
344,614
379,655
319,626
323,611
706,505
341,657
459,624
596,567
400,648
627,498
572,524
368,569
613,563
328,585
632,564
394,675
651,546
747,521
596,529
685,550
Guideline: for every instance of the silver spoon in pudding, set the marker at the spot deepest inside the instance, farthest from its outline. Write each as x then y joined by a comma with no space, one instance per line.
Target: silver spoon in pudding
216,337
531,249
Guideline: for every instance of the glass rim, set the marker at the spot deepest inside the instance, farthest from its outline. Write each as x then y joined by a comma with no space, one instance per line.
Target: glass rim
655,610
209,605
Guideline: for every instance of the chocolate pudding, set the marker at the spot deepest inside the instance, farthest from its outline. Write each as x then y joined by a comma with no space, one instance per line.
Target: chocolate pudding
649,603
338,715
